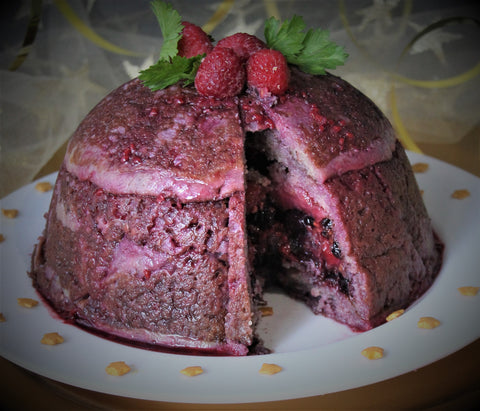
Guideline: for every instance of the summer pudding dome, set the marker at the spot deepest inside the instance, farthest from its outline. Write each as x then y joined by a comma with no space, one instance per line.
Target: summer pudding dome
178,201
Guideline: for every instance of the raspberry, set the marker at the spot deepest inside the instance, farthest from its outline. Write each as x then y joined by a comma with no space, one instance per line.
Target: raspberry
243,44
221,74
194,41
268,72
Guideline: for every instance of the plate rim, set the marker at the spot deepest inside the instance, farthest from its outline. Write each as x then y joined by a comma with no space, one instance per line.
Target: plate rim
118,386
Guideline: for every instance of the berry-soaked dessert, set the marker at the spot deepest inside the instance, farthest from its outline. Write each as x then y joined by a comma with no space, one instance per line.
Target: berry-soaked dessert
222,169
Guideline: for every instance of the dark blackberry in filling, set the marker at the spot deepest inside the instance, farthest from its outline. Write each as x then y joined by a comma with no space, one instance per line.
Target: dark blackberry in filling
336,250
336,279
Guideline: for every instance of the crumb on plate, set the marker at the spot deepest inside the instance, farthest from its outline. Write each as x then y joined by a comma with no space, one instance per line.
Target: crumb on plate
2,318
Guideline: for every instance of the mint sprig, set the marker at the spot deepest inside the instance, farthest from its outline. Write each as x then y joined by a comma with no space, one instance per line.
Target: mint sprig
286,37
170,68
312,51
170,23
164,73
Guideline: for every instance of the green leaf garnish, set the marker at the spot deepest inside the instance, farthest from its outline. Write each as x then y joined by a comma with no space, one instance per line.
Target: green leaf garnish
312,51
286,37
170,68
164,73
170,23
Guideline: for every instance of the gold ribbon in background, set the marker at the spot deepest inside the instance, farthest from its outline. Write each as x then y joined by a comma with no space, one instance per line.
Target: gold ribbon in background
271,9
218,16
87,32
402,132
400,128
221,12
448,82
32,28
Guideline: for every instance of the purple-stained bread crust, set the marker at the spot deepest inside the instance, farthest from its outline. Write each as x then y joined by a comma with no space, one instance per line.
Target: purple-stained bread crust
330,127
169,206
171,142
146,269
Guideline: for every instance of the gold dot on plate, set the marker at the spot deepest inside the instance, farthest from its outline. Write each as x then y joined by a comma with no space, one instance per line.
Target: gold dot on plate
43,186
395,314
192,371
270,369
266,311
117,368
468,291
27,302
428,323
52,339
420,167
460,194
373,353
10,212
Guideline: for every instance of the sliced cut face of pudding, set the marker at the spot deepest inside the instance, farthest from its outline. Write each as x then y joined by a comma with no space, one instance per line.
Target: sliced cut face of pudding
343,213
354,248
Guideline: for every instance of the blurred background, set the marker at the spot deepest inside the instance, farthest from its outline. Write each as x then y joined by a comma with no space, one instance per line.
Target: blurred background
418,60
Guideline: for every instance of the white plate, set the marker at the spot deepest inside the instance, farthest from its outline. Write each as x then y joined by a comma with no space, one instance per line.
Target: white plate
318,356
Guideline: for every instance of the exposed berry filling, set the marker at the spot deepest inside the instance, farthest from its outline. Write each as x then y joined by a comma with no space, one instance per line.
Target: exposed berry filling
288,237
294,238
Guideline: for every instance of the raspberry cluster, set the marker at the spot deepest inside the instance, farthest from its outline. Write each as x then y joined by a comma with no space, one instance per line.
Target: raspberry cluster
234,62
